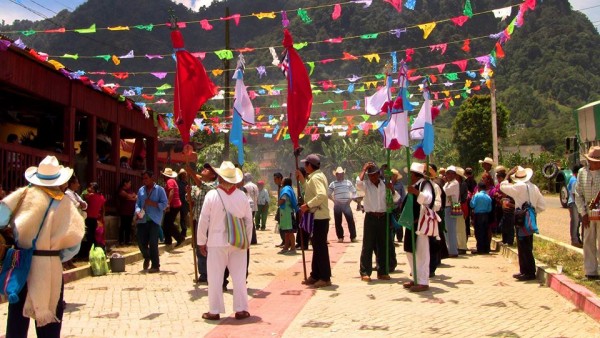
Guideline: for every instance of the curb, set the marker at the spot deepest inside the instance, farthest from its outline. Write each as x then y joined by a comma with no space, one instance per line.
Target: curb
580,296
130,258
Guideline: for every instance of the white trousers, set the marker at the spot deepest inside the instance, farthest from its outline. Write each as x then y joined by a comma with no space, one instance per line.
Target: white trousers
216,260
422,259
591,242
461,233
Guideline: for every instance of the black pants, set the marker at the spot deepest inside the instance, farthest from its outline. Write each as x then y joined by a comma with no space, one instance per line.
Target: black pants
374,233
435,254
169,229
301,241
508,228
90,238
17,325
183,218
125,229
526,260
346,211
321,268
481,232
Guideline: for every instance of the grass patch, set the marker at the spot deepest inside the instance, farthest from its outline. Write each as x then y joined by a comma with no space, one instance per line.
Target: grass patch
553,254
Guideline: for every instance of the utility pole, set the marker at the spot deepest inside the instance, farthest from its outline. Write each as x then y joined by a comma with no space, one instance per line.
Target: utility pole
226,89
494,122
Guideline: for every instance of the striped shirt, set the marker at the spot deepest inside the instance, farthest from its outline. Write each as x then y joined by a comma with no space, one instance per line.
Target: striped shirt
586,189
341,192
198,195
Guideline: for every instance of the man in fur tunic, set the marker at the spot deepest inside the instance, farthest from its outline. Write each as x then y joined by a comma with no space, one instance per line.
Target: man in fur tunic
58,241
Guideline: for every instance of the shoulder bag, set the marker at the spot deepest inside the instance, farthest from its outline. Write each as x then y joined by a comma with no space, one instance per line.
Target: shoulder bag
236,229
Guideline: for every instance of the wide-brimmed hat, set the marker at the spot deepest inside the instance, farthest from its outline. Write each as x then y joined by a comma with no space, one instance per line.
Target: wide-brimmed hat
500,168
49,173
229,172
374,169
522,174
460,172
339,170
312,159
487,160
396,174
418,168
182,171
593,154
169,173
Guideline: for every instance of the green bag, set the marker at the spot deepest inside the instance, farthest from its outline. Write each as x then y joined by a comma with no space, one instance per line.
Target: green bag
98,261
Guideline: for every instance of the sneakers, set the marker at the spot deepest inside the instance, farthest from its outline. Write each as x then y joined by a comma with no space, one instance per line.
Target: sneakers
322,283
418,288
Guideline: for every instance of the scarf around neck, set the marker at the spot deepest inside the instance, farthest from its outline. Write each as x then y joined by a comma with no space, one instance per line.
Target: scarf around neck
287,190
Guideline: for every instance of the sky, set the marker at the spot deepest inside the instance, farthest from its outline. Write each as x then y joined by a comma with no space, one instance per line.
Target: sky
10,10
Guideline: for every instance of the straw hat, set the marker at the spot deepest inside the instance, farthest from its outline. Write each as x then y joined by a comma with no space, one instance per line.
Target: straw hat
169,173
339,170
487,160
49,173
460,172
229,172
522,174
396,174
593,154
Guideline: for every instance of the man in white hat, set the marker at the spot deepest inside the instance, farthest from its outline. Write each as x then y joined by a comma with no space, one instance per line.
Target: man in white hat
149,208
522,190
341,192
424,196
452,191
42,207
213,242
587,191
488,166
170,230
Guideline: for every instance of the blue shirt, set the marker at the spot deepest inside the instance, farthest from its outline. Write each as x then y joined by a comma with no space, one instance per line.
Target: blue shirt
481,202
570,189
158,195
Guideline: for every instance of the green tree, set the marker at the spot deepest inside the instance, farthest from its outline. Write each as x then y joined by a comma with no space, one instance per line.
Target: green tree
472,129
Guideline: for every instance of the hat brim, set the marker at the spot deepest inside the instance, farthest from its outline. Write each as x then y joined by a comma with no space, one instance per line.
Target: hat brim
31,177
173,175
591,158
235,179
528,175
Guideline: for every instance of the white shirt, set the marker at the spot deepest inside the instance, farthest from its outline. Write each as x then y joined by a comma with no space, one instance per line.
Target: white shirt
437,204
519,192
252,191
212,229
375,195
452,190
426,195
77,200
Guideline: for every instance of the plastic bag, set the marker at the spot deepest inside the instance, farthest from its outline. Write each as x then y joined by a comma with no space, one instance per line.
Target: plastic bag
98,261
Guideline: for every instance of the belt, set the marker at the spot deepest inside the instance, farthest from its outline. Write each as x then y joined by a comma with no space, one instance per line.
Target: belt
376,214
46,252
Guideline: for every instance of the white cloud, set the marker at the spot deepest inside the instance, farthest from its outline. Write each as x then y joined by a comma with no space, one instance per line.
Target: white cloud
194,4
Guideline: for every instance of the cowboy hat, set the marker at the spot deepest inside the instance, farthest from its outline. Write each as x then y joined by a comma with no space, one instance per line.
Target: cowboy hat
522,174
500,168
418,168
229,172
339,170
49,173
460,172
182,171
169,173
593,154
396,174
487,160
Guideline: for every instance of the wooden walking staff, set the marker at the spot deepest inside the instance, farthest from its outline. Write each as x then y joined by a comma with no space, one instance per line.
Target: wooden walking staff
187,150
388,210
297,152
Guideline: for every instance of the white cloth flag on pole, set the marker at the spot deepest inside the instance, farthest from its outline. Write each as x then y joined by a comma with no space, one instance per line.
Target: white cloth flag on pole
242,103
422,127
395,132
375,102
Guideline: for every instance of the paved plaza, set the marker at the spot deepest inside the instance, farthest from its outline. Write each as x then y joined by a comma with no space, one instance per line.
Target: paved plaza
471,296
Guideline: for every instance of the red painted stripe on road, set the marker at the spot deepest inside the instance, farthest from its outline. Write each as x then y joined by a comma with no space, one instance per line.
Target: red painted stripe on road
274,308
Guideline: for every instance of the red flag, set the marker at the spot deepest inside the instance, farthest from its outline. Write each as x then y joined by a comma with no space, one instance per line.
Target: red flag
192,87
299,100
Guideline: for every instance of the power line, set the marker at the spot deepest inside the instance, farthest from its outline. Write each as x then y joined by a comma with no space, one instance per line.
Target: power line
65,6
44,7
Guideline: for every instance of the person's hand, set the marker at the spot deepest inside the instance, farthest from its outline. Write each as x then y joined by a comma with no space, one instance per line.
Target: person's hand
203,250
167,208
367,166
304,208
412,190
585,220
299,175
390,185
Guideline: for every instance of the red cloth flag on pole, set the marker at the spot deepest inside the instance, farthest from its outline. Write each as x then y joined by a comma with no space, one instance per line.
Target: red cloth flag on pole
192,87
299,99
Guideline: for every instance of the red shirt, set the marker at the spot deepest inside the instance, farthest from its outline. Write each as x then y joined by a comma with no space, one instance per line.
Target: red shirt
172,185
95,203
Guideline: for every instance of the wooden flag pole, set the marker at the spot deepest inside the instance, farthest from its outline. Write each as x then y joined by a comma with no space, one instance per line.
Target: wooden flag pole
297,152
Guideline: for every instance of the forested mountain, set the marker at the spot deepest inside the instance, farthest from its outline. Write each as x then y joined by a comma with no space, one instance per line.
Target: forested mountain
551,64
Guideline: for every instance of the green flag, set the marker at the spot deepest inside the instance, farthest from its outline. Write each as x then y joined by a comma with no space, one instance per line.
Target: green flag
407,217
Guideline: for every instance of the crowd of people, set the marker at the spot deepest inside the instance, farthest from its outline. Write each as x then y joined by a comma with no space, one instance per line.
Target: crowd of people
437,207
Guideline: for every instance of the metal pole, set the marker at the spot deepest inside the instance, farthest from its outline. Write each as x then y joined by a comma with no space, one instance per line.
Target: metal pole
226,92
494,122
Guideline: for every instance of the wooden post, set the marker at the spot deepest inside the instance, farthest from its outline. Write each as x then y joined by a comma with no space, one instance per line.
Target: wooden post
494,122
226,88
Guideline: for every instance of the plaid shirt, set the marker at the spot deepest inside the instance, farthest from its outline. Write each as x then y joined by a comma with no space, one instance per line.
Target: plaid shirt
586,189
198,194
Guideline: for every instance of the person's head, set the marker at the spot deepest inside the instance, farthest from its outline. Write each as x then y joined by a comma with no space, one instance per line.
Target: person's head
373,173
487,179
481,186
486,164
286,182
417,172
182,175
450,173
208,173
501,176
396,176
339,173
311,163
148,178
247,177
469,172
593,158
12,138
73,183
125,184
277,178
94,187
575,169
260,184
